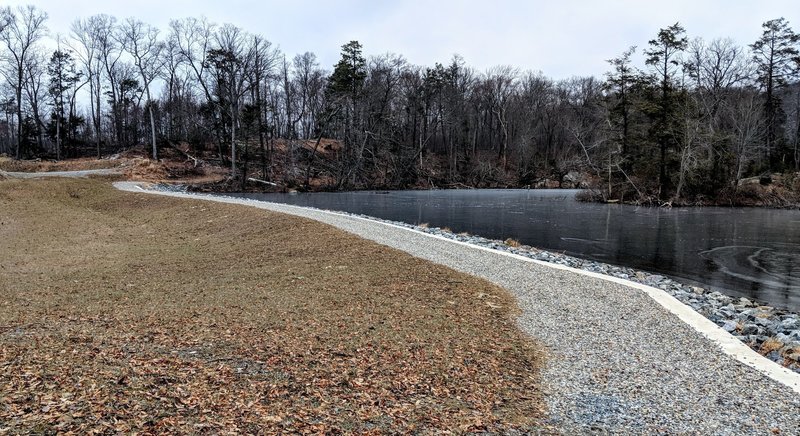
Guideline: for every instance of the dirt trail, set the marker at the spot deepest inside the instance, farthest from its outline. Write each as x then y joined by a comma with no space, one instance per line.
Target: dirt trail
71,174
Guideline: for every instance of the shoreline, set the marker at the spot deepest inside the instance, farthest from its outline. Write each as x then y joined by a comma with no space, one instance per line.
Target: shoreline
773,333
621,361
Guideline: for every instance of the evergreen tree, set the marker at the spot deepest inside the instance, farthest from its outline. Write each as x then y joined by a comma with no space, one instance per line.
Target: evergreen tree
776,58
344,88
63,77
620,82
663,57
350,72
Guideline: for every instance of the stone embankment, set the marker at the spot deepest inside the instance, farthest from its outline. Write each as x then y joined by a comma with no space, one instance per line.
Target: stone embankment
772,332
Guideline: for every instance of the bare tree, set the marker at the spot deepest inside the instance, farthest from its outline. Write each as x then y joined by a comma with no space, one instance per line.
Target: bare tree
85,46
714,69
141,41
746,118
25,28
502,82
194,39
231,60
36,91
264,61
305,70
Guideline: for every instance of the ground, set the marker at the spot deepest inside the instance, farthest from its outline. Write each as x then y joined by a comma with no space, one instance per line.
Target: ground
127,312
173,167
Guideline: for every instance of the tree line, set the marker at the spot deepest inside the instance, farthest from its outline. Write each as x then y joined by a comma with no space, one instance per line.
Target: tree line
693,122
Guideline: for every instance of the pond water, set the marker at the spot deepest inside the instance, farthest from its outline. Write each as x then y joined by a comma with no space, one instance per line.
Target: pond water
739,251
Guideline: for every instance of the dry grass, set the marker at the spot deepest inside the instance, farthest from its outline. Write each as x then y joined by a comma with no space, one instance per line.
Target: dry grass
31,166
512,243
770,345
126,312
171,169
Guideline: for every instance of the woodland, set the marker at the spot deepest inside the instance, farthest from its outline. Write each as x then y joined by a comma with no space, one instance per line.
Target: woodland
678,120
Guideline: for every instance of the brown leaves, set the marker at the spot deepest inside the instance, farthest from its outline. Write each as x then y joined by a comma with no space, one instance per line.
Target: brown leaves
154,335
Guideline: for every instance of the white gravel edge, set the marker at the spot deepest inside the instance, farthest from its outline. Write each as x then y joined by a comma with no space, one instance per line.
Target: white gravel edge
724,340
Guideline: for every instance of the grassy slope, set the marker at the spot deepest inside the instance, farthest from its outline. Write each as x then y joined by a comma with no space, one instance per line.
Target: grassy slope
125,311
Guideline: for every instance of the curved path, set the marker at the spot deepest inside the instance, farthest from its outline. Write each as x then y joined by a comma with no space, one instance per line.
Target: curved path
624,358
41,174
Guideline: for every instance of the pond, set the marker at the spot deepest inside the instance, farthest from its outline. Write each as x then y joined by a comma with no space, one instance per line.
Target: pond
747,252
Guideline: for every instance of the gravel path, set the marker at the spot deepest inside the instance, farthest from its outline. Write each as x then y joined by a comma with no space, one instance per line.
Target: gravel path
619,362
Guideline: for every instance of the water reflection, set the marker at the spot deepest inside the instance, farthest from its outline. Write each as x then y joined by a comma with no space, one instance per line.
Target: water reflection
742,252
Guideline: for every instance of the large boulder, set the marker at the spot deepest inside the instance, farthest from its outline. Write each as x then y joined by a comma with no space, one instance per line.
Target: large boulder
571,180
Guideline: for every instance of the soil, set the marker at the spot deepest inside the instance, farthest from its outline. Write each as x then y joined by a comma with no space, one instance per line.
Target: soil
123,312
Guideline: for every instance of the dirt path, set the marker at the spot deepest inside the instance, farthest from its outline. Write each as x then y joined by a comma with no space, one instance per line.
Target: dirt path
68,174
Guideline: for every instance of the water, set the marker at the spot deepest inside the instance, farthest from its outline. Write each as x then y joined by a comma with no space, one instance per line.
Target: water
739,251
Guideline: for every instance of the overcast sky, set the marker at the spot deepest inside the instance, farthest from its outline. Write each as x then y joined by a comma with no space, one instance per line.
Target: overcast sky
561,38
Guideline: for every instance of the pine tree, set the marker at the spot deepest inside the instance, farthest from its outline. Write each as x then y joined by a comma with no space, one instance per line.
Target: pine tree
344,89
664,58
776,58
63,77
620,81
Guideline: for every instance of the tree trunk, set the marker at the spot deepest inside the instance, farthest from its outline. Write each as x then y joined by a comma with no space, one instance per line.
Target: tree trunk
153,129
19,116
58,137
233,146
97,118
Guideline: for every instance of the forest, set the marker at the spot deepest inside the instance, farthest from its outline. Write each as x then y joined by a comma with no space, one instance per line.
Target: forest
696,123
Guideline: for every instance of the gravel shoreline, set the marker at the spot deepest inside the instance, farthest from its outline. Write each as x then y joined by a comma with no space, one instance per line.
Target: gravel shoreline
620,363
771,332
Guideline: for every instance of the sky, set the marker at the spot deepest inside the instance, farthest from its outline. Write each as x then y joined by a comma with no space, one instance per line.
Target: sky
561,38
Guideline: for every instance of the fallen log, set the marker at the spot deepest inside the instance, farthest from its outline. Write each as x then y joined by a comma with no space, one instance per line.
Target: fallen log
252,179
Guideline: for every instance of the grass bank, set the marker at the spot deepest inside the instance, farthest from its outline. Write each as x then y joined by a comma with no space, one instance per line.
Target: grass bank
128,312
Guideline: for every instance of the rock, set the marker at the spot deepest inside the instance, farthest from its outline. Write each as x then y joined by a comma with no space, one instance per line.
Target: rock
765,322
653,280
774,356
572,177
759,339
752,329
747,315
729,326
749,181
551,184
547,184
789,324
745,302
